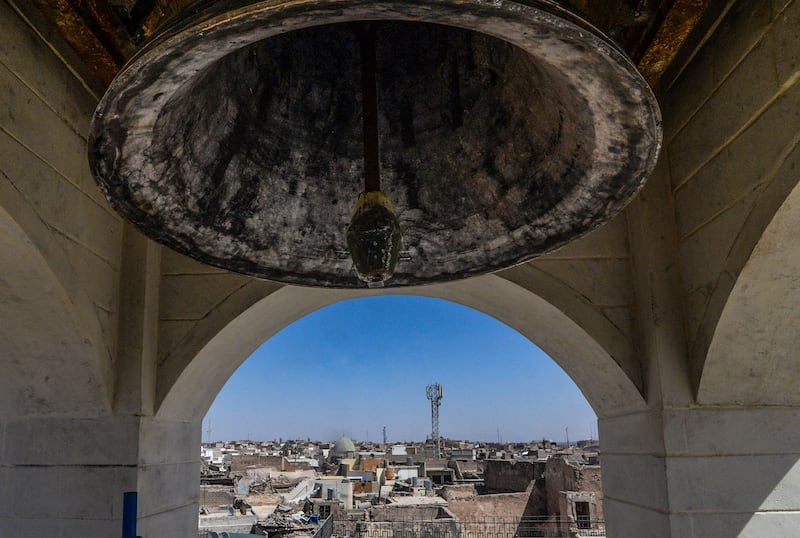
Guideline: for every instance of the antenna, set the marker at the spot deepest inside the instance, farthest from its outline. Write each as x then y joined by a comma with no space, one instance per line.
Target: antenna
435,395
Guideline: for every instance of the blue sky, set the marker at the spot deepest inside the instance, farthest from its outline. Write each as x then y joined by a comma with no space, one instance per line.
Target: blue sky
362,364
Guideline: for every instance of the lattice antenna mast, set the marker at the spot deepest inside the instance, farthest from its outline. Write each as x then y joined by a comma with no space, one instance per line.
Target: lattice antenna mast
435,395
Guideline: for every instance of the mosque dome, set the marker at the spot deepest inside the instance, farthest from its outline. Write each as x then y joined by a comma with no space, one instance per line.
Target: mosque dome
343,446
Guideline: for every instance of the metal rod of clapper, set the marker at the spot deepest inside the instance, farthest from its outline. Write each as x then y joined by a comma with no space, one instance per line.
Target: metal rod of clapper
369,105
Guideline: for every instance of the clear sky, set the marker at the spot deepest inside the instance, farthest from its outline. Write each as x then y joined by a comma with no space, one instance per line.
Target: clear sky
356,366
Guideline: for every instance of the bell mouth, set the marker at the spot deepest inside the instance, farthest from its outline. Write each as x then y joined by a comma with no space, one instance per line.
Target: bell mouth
506,131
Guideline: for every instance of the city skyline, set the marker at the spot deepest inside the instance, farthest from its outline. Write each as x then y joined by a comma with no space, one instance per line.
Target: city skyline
359,365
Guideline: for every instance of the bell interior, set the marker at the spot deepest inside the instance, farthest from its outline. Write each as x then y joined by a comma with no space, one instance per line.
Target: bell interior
488,153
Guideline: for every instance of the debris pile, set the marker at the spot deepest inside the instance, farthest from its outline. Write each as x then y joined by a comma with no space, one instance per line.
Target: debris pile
287,522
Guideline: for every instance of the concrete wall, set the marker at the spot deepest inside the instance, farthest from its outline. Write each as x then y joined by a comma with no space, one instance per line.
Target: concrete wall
61,241
465,503
277,463
76,389
393,512
65,477
510,475
337,489
732,128
545,496
561,476
243,461
443,528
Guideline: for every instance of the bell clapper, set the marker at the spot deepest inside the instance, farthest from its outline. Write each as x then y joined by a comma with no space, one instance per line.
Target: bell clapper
374,235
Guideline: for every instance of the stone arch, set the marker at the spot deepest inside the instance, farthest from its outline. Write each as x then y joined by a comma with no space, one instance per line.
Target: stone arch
49,338
753,355
606,385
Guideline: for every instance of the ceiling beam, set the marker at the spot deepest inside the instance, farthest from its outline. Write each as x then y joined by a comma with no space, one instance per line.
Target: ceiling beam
94,31
162,10
680,21
108,27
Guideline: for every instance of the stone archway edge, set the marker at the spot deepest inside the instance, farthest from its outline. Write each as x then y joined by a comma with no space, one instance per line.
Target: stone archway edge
608,389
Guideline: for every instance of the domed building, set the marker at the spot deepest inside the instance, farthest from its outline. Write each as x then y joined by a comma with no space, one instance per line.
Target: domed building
343,448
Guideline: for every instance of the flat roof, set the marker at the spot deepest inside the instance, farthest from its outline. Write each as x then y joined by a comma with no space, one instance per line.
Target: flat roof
414,500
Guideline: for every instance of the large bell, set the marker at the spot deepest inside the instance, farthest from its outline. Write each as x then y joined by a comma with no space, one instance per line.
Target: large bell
506,129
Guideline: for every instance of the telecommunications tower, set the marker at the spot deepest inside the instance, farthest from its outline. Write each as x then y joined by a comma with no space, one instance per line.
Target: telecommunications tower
435,395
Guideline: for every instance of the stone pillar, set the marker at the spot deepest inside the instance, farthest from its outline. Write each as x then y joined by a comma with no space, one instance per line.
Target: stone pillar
633,465
168,451
682,469
65,477
698,472
169,478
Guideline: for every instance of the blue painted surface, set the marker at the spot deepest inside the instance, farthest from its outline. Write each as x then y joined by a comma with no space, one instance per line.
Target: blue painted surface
129,509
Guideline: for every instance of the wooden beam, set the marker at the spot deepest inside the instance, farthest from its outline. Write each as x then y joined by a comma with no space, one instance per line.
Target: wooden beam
80,36
681,19
653,18
161,11
107,26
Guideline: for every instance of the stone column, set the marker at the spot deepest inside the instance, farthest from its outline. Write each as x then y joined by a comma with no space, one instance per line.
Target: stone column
702,472
64,477
169,478
682,469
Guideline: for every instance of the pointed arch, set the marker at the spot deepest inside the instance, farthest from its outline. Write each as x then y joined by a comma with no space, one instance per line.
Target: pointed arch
53,355
605,384
753,355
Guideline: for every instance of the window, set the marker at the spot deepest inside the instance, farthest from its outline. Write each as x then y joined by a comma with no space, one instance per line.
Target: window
582,515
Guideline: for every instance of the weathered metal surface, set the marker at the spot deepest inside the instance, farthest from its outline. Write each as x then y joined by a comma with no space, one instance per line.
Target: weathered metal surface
161,11
104,36
235,137
672,34
374,238
107,26
76,29
626,22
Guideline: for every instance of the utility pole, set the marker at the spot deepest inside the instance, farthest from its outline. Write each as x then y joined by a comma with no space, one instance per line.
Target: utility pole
435,394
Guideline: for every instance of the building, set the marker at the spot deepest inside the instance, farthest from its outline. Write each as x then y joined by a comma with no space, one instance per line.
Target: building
343,448
333,490
574,494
